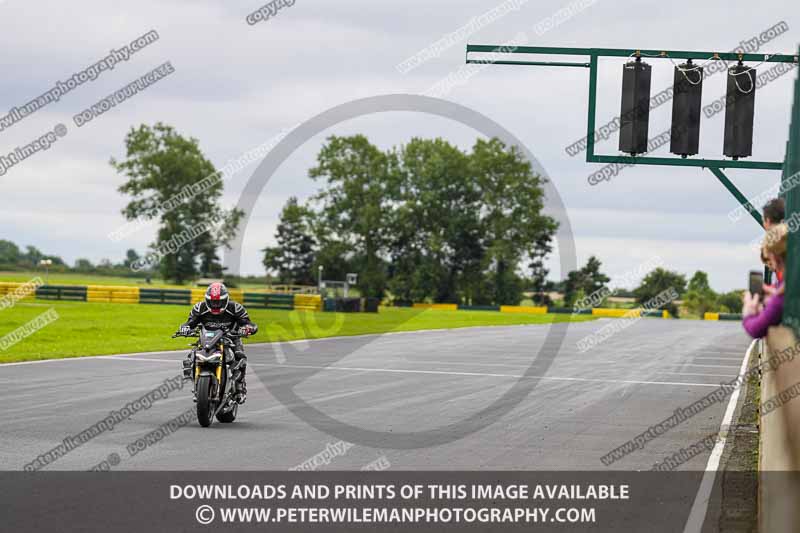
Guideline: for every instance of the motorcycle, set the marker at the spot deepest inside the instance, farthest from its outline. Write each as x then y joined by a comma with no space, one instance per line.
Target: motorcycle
214,370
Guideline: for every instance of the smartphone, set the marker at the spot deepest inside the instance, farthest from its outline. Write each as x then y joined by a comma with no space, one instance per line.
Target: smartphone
756,282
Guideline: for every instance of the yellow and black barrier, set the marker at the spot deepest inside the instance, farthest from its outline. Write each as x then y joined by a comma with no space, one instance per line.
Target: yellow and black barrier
303,302
308,302
142,295
111,294
438,307
616,313
722,316
136,295
21,291
523,309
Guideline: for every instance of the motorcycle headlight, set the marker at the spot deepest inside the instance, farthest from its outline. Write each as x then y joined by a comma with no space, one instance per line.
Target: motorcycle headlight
213,358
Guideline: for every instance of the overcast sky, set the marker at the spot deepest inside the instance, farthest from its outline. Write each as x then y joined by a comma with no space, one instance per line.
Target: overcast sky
237,85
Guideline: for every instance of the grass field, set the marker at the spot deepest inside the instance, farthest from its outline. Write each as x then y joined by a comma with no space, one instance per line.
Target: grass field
97,328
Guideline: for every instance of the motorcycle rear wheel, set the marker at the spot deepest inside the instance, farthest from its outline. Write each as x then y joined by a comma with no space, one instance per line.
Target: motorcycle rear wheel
230,416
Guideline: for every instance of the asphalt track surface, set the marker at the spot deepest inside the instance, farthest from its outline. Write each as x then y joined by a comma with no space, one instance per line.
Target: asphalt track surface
585,405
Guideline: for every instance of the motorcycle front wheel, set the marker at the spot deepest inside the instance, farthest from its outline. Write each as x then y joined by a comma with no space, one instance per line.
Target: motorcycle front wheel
205,407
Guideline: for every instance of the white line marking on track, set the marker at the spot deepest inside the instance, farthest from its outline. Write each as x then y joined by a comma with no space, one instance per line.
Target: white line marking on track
300,341
708,366
461,363
668,365
480,374
695,374
90,358
172,361
42,361
126,358
700,506
716,358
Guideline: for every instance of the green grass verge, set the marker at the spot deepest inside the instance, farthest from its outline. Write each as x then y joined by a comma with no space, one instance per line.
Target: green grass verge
84,329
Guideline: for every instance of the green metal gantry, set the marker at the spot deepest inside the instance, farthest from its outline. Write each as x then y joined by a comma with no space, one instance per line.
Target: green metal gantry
714,165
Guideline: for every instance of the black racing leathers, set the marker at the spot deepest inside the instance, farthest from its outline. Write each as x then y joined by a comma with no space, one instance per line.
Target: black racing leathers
233,317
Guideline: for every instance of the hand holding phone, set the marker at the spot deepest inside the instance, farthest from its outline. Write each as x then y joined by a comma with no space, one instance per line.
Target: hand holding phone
756,283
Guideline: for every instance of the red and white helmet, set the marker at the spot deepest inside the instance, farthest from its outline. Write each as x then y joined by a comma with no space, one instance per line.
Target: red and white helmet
216,298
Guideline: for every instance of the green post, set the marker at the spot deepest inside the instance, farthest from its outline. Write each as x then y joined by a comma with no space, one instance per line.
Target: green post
738,195
791,167
592,107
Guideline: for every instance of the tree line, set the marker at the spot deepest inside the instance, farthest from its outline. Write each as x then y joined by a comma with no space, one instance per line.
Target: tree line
425,221
12,257
696,295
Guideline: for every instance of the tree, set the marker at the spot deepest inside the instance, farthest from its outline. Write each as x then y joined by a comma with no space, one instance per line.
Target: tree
335,257
594,280
661,284
588,280
162,166
538,280
293,257
435,243
512,198
9,253
32,256
83,265
428,221
210,265
355,202
572,285
700,298
730,302
131,257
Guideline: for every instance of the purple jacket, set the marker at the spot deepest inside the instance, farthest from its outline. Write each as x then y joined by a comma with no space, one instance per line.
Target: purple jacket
756,325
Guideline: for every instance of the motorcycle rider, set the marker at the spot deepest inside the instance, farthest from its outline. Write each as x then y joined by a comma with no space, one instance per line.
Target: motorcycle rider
218,311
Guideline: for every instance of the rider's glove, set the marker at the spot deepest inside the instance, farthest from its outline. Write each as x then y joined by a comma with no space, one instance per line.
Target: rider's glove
244,331
185,330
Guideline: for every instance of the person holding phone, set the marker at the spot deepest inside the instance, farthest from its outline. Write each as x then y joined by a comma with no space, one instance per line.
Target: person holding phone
758,315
